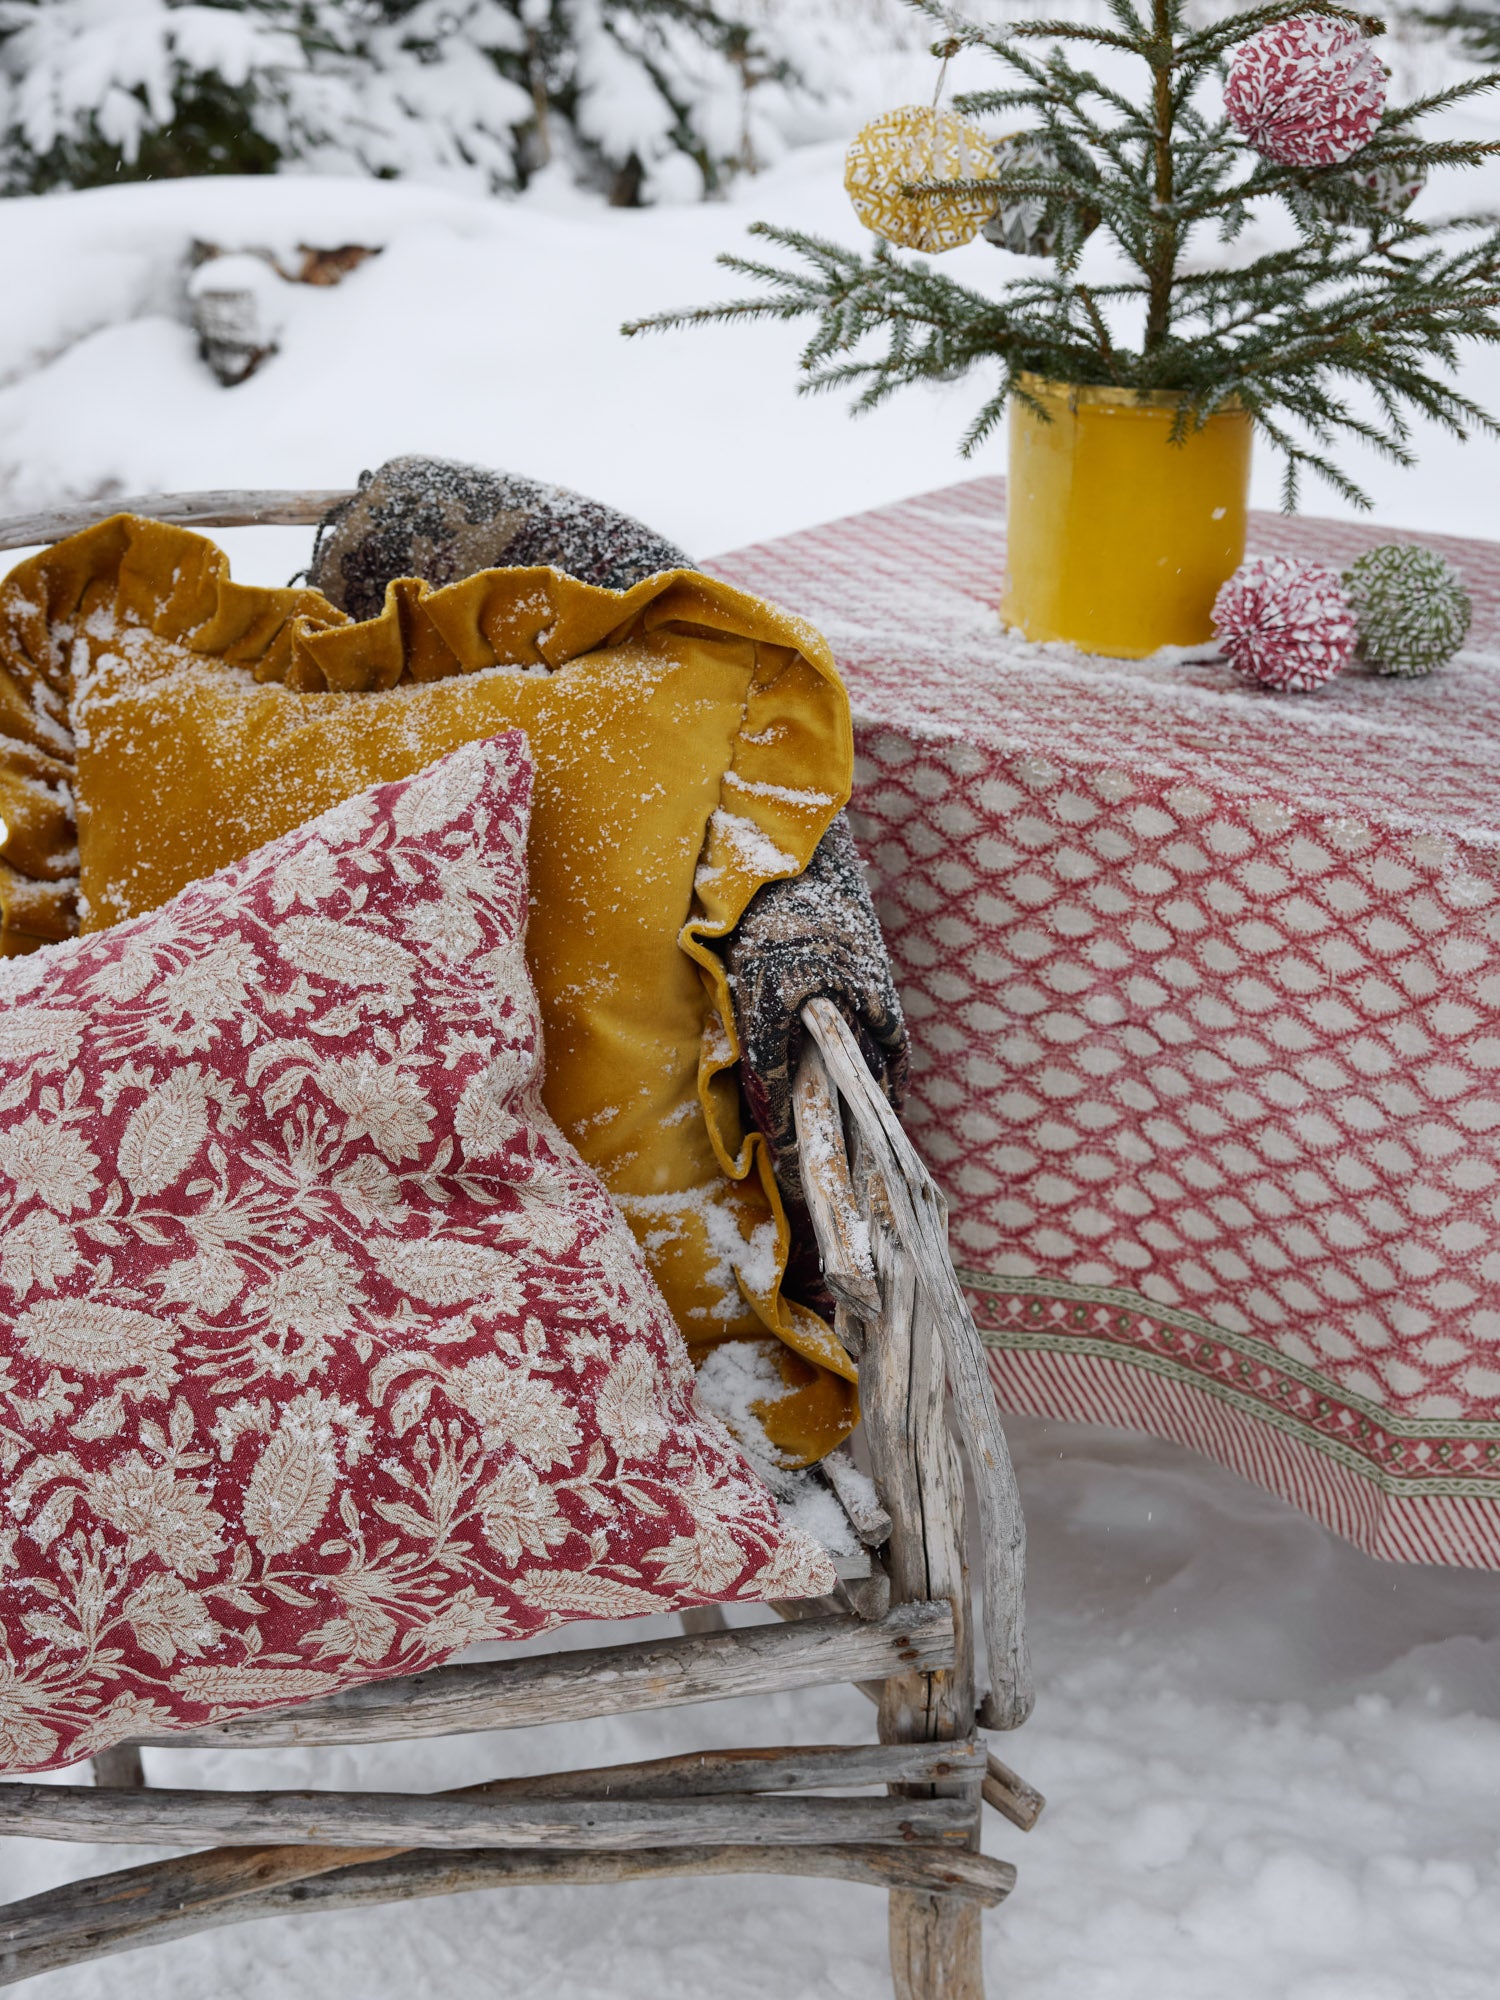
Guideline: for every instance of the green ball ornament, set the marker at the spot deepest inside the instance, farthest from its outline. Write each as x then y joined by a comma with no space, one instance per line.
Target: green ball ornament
1410,606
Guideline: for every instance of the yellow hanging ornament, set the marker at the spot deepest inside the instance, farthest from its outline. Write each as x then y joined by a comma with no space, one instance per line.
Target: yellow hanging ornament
919,143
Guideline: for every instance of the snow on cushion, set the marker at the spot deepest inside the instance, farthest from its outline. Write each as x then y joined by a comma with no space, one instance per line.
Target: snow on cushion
691,744
322,1354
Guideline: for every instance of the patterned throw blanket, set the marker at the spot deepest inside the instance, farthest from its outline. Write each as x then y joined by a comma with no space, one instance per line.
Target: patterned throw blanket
814,935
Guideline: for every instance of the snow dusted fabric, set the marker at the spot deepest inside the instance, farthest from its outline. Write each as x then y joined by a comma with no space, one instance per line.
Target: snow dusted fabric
816,936
1204,993
322,1354
691,744
442,521
809,935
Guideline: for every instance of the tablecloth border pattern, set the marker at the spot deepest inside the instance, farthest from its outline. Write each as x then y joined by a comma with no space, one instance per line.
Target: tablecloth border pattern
1102,1354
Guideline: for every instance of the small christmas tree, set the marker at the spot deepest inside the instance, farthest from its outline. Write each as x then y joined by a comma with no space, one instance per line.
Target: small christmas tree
1349,324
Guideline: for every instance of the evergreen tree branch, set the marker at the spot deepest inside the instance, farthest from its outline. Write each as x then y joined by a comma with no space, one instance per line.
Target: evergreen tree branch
1349,330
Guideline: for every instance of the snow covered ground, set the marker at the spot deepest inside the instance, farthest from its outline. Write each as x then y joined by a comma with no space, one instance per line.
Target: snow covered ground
1273,1763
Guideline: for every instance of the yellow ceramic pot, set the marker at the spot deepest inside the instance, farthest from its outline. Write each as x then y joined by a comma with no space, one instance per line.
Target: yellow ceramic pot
1118,540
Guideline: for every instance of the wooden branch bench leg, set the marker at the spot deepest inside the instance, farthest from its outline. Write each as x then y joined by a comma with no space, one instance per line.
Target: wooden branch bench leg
119,1768
936,1947
700,1618
918,1217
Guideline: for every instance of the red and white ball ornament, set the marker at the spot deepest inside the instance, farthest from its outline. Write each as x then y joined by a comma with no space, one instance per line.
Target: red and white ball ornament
1307,92
1287,624
1351,197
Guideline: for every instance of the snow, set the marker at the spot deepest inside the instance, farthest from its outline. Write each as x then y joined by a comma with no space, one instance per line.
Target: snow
735,1376
1272,1762
747,844
114,61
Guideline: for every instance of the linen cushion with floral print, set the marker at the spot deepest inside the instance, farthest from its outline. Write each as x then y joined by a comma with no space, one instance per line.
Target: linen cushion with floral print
322,1354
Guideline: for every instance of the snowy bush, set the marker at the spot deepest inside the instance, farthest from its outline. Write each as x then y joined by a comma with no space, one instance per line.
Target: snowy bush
644,98
1477,23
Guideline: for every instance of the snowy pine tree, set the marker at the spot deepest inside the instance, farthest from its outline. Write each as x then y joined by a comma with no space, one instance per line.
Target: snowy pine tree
1477,23
640,97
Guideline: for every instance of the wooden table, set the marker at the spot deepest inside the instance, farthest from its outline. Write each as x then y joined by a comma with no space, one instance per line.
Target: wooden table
1204,985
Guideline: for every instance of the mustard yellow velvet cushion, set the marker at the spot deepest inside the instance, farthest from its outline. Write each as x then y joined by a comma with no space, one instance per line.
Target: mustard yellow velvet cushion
691,743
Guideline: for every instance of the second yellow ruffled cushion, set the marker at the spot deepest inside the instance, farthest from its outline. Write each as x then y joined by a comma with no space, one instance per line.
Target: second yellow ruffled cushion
691,743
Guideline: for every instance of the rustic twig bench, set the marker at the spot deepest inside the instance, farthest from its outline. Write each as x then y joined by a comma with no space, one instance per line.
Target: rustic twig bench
901,1626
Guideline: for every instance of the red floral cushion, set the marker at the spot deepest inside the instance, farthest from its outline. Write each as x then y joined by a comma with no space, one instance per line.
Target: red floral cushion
321,1353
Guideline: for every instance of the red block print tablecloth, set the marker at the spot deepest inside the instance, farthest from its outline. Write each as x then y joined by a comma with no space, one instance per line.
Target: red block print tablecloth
1204,985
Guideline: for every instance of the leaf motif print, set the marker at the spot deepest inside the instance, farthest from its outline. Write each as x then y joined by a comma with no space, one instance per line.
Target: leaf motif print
37,1251
364,1633
508,972
289,1490
548,1219
464,1620
440,795
25,1743
102,1419
211,1280
382,1101
306,1305
520,1514
322,1354
165,1133
486,1115
163,1513
50,1037
518,1408
127,1715
52,1161
370,1191
705,1562
190,1005
92,1337
629,1414
585,1595
168,1618
447,1271
309,874
39,1472
126,970
798,1568
251,1687
349,955
447,924
52,1517
410,1406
